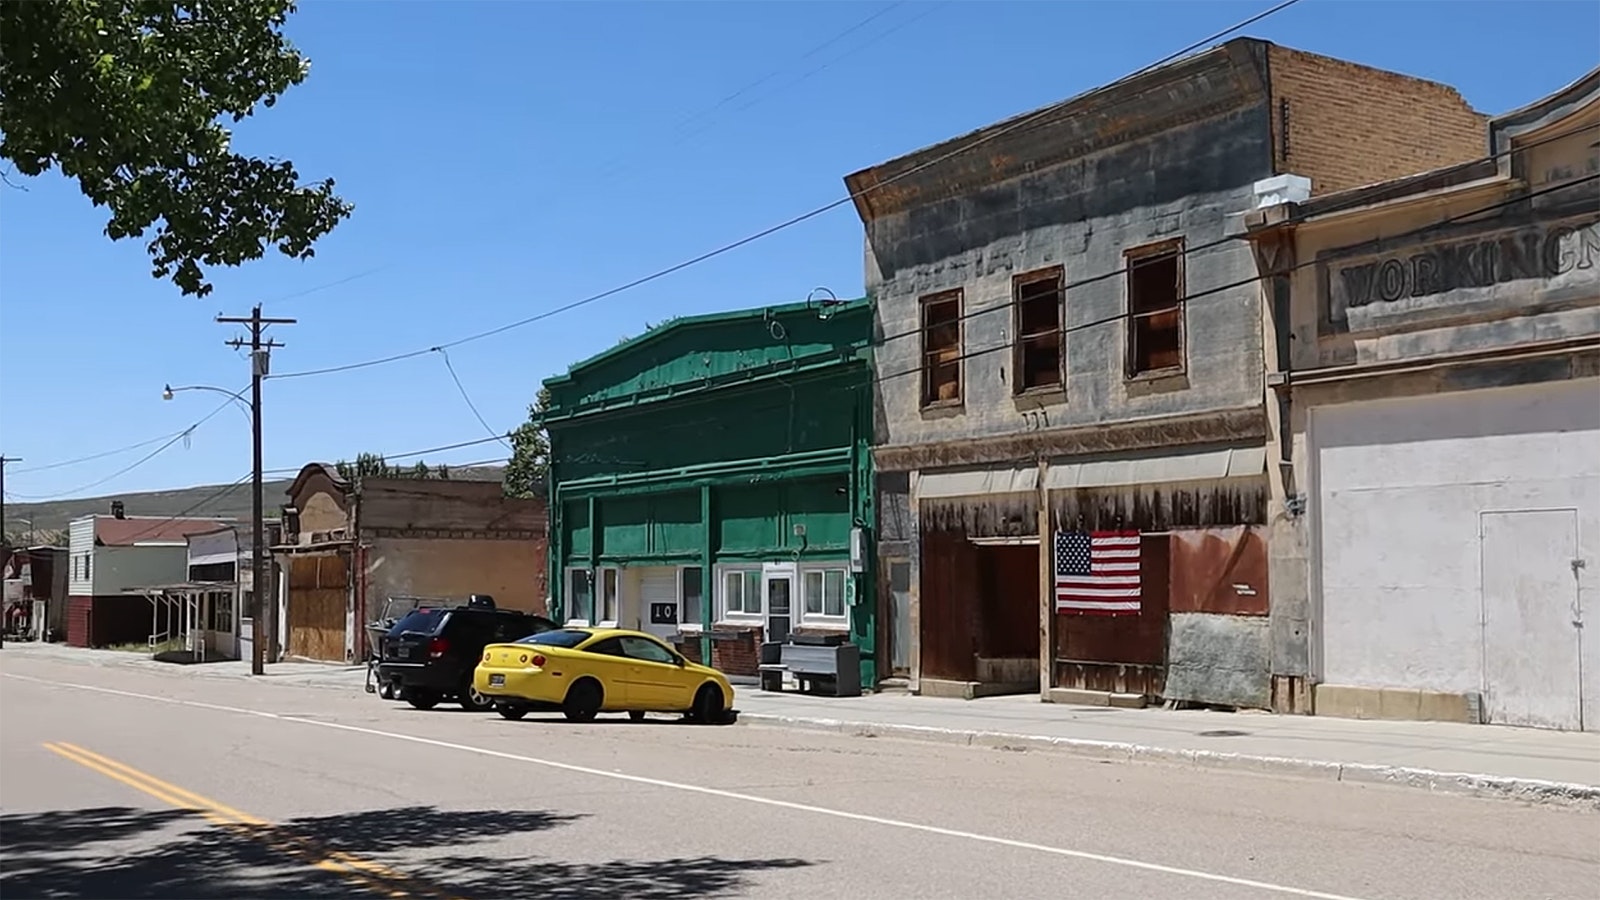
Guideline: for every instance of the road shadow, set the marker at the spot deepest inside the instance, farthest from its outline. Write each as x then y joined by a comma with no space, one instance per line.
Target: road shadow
178,855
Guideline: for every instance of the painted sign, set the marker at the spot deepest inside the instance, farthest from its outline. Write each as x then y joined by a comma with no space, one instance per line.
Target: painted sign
1459,274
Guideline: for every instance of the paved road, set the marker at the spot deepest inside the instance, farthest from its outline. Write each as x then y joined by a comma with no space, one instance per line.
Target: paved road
118,783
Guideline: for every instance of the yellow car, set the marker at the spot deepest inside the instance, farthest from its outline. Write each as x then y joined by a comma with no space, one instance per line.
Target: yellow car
586,671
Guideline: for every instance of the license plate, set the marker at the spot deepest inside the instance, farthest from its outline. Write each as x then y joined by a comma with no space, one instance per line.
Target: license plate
496,680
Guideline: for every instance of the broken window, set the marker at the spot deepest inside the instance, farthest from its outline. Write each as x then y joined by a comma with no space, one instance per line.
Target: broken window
941,349
1155,309
1037,299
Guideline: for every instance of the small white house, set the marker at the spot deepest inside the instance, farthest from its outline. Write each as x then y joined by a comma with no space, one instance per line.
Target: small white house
112,560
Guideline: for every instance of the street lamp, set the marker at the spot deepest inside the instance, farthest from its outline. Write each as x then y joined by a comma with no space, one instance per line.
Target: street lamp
258,579
239,402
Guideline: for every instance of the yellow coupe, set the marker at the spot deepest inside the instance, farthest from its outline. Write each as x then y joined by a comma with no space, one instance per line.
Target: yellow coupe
586,671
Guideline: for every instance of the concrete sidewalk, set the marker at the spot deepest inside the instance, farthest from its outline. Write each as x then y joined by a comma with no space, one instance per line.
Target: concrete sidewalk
303,674
1524,763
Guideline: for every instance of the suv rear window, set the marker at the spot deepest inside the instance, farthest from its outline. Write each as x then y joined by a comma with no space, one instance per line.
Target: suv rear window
420,621
561,637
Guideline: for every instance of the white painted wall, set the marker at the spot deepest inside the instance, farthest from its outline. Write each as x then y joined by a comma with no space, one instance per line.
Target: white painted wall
1399,488
116,569
80,544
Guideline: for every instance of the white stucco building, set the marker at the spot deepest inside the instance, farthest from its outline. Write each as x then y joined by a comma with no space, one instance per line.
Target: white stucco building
1437,423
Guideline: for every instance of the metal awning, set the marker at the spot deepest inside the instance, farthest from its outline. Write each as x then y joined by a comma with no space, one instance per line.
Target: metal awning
1190,465
1204,465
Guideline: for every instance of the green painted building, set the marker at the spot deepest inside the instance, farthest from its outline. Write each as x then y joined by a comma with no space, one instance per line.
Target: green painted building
711,483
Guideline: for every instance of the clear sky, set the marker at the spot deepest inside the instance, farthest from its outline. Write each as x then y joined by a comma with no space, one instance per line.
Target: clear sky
509,157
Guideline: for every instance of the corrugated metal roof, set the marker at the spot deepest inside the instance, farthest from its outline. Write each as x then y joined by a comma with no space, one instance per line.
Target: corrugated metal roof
110,531
1192,465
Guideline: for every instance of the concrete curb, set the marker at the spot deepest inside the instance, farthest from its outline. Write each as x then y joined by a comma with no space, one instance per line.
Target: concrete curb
1529,790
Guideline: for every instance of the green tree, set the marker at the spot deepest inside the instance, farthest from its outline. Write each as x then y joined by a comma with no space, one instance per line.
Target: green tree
130,98
530,452
373,465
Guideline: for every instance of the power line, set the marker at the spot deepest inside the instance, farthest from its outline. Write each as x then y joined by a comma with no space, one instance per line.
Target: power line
788,223
131,466
445,355
1351,203
612,166
102,455
1252,280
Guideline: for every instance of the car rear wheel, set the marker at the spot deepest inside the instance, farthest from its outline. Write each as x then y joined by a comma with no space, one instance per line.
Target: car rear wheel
471,700
708,705
422,699
508,711
583,701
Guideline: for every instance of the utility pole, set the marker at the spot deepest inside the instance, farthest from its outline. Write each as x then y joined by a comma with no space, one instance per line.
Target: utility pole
3,461
260,353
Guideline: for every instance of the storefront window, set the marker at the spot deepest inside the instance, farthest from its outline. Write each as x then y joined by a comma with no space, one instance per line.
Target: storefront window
824,593
690,594
741,592
580,595
608,595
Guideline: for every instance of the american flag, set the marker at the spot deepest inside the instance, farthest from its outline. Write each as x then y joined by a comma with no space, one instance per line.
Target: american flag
1097,574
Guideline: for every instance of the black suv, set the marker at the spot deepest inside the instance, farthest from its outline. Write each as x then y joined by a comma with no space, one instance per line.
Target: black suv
430,655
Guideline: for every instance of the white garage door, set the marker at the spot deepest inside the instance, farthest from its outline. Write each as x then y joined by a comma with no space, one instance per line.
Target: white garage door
1448,526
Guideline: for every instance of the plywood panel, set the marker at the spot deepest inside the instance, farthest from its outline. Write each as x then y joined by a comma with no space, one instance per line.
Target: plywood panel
318,598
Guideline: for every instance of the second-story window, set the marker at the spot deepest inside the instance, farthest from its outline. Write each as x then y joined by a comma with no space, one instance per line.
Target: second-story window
941,349
1155,308
1037,309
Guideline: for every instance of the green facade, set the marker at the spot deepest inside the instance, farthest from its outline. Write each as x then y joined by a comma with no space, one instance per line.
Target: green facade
729,440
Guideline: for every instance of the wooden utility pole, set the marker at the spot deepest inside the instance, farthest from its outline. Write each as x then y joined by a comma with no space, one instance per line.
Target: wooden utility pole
3,461
260,353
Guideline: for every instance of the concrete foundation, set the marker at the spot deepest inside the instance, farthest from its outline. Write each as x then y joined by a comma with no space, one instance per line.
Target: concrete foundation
1351,702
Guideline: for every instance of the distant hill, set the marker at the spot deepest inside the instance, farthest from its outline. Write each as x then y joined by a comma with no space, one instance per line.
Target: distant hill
227,501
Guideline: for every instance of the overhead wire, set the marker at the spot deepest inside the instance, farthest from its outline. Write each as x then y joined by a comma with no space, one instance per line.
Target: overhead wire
1021,122
1184,300
1187,251
445,355
185,433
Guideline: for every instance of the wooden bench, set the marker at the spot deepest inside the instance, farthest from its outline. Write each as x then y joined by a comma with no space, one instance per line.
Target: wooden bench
832,669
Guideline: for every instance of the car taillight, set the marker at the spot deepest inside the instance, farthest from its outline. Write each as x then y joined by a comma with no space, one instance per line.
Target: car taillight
485,656
438,647
538,660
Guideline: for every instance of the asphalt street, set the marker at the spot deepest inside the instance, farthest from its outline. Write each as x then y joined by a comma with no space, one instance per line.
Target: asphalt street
119,783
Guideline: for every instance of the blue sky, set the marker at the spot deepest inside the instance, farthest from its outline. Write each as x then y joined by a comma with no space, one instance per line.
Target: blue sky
510,157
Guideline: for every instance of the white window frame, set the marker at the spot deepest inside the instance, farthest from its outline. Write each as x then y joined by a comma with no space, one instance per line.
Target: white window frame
600,573
823,619
566,589
684,625
742,615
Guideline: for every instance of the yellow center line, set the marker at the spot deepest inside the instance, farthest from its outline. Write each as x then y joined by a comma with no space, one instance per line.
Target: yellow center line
378,878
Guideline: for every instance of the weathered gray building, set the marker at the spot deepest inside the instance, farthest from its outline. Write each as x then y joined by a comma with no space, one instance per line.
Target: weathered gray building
1070,343
1437,416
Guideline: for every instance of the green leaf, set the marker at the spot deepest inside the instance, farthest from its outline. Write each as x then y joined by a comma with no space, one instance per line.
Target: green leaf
126,98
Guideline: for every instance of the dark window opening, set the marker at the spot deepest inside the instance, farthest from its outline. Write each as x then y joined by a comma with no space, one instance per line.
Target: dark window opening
1038,301
941,349
1155,310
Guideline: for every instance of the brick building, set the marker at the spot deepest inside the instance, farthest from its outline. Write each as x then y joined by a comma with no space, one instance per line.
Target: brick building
1071,344
349,546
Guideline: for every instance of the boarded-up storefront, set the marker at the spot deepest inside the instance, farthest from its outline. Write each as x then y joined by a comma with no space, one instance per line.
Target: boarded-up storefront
319,588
